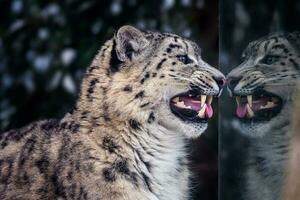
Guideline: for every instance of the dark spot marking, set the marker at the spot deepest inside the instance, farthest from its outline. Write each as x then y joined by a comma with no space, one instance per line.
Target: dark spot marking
109,144
58,186
151,118
51,124
147,75
6,169
147,181
162,76
173,63
172,46
109,175
127,88
63,125
122,166
145,104
295,64
91,88
92,68
147,164
74,127
141,94
160,63
154,74
134,124
42,165
105,113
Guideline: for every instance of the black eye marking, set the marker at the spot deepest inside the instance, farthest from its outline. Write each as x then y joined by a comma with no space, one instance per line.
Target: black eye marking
127,88
270,59
140,95
134,124
151,118
185,59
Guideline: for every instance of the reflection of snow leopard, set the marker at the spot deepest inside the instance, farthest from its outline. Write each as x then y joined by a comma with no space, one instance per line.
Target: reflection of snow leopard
291,186
263,85
140,99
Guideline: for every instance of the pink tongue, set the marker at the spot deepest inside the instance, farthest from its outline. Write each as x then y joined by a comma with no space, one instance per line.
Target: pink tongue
190,102
209,111
241,110
258,103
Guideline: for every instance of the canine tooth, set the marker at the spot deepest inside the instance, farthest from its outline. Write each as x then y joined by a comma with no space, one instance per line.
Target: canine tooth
269,104
249,99
202,111
180,104
209,99
238,100
176,99
203,99
249,111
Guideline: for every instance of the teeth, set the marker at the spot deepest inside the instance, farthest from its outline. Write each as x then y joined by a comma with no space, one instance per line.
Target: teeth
176,99
220,92
269,104
203,99
209,99
250,112
238,100
201,112
180,104
249,99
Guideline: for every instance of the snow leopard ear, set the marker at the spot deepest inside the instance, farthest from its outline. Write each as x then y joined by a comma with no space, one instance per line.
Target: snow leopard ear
130,43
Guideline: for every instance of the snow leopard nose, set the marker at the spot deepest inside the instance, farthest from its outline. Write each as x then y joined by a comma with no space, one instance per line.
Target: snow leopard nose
232,82
221,81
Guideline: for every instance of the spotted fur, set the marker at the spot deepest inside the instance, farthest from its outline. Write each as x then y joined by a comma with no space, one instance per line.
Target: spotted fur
269,143
121,141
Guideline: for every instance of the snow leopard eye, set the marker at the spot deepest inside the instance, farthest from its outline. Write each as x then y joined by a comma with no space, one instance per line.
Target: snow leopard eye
270,59
185,59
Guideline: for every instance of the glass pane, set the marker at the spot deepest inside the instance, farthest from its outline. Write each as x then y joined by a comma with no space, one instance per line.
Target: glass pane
254,131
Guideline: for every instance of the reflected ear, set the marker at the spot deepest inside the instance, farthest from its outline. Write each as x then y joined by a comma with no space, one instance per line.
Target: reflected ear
294,39
130,43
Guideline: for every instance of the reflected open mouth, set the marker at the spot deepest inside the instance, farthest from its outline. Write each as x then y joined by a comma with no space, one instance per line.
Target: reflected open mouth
259,106
192,106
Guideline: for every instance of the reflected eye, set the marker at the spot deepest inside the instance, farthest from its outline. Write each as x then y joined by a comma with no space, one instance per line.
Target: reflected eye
184,59
243,57
270,59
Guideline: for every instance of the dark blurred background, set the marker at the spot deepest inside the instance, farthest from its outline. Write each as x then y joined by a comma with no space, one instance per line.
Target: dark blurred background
242,21
45,47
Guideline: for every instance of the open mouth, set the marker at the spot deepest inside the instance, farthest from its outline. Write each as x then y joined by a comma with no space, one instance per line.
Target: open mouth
259,106
192,106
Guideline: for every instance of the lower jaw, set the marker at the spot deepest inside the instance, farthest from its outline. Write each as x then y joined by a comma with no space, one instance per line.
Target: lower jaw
195,119
252,120
258,119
